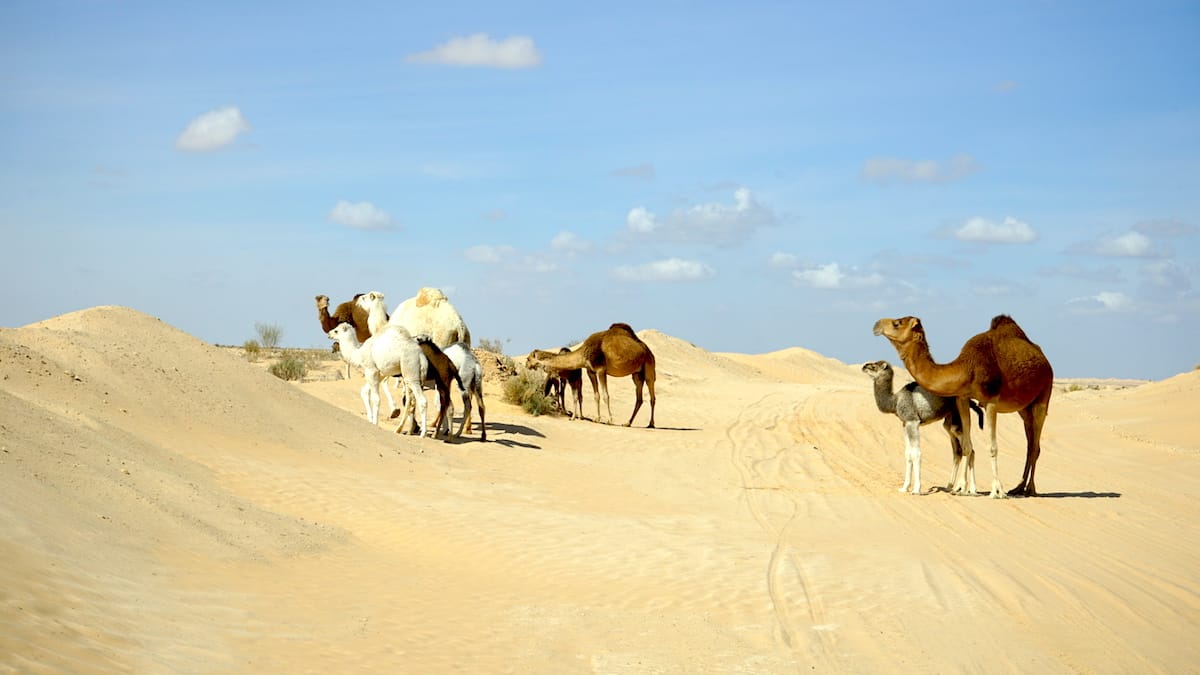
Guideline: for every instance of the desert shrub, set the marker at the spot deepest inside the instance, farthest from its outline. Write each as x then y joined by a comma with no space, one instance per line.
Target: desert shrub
1074,387
525,390
252,349
268,334
492,346
289,368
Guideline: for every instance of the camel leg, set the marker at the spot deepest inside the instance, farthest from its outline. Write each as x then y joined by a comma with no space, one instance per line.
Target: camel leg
370,395
419,396
912,457
603,378
966,482
990,414
648,373
595,391
954,429
638,381
1034,417
482,414
388,393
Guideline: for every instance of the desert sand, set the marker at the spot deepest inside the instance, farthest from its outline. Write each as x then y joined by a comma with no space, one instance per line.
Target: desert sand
168,507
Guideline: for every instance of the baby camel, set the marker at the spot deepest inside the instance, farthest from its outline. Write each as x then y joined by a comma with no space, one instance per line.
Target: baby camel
391,352
560,379
917,407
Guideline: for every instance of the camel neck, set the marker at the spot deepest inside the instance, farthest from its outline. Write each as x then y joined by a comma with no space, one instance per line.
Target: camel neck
885,400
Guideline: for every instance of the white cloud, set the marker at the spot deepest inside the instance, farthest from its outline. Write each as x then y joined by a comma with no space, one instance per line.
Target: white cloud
1128,245
212,130
488,254
782,260
641,220
361,216
1011,231
671,269
569,242
481,50
895,170
1104,301
712,223
831,276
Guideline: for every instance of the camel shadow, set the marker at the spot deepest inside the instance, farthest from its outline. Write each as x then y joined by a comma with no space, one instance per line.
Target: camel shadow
1041,495
513,430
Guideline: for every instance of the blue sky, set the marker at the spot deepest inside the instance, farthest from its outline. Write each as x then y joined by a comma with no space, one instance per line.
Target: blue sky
744,176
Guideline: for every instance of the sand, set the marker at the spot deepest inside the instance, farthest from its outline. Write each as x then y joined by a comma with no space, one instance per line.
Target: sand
167,506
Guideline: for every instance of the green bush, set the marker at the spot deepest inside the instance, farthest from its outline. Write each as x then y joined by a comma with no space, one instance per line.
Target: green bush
525,390
268,334
252,349
289,368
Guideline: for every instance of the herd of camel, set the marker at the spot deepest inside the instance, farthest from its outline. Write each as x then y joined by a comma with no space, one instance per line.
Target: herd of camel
426,343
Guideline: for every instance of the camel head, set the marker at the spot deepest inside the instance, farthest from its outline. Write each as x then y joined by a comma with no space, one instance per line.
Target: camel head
901,331
342,330
367,299
322,303
876,368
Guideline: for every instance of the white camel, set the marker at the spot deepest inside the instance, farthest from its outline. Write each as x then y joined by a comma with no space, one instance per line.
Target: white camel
917,407
390,352
429,312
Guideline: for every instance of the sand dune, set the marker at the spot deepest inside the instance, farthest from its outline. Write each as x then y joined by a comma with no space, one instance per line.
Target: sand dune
166,506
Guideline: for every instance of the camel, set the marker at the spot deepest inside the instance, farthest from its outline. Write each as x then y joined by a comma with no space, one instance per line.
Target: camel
1001,368
347,312
559,380
428,313
916,407
441,373
391,352
617,352
470,382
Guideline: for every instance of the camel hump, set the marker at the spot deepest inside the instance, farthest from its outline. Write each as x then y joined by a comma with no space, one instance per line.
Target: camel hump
621,326
429,296
911,387
1005,324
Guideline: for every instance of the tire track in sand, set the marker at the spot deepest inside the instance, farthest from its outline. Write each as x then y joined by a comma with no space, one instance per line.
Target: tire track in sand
763,453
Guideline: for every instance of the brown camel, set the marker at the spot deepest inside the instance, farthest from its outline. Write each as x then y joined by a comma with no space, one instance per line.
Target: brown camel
617,352
1001,368
347,312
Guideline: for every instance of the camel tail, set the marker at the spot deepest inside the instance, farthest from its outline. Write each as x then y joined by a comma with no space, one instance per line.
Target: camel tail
978,411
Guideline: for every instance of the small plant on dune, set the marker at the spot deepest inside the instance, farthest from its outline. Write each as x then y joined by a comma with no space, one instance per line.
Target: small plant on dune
252,349
525,390
268,334
289,368
492,346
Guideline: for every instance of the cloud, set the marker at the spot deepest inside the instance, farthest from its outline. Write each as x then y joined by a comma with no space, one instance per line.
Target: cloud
1166,274
212,130
361,216
832,277
712,223
570,243
1011,231
1166,228
786,260
1107,274
1125,245
895,170
643,171
488,254
671,269
482,51
1104,301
